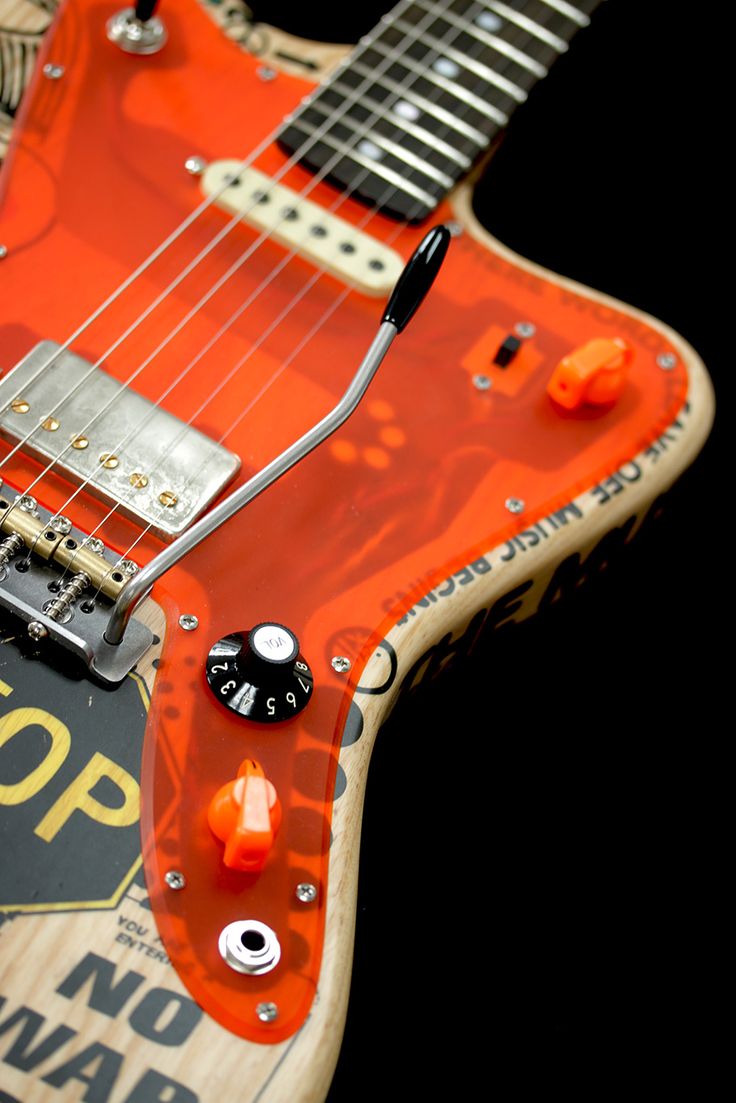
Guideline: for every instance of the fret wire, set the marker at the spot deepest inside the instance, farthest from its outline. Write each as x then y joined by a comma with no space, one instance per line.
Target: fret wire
477,137
477,67
491,40
397,151
528,25
376,167
455,90
568,11
411,128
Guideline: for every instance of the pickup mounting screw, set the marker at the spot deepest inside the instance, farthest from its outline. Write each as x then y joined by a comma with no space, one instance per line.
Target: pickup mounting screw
526,329
666,361
481,382
175,880
267,1012
306,893
52,71
514,505
341,663
188,622
195,166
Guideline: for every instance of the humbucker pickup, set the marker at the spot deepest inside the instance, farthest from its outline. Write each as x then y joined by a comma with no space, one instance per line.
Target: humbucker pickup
151,465
314,233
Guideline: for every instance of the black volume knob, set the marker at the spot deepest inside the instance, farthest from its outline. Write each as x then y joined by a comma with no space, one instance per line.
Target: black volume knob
260,674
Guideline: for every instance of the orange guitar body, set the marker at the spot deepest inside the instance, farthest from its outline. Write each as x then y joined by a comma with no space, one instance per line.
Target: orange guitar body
413,489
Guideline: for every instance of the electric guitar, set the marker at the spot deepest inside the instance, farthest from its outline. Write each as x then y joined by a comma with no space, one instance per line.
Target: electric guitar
197,248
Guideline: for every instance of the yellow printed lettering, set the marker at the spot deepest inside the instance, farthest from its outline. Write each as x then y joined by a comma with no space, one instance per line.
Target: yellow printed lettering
61,741
78,797
5,689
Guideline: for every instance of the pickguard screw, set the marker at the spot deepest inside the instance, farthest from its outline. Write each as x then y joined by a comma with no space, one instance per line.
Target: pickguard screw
265,72
195,166
455,228
341,663
175,880
667,361
514,505
52,71
188,622
37,631
61,524
3,251
306,893
481,382
267,1012
526,329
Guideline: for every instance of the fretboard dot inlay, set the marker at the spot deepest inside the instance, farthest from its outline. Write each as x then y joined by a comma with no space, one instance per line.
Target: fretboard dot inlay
406,110
370,149
446,68
488,21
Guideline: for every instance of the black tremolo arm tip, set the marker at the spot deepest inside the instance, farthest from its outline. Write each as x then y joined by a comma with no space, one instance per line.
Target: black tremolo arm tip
417,278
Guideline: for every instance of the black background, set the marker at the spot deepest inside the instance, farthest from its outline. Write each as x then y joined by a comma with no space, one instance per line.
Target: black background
540,880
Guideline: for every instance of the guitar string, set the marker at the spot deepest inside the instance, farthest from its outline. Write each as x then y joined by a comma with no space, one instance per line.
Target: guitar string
419,27
384,198
282,367
209,201
386,104
336,114
224,232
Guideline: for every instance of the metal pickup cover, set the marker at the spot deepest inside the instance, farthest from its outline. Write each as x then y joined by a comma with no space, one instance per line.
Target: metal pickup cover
164,474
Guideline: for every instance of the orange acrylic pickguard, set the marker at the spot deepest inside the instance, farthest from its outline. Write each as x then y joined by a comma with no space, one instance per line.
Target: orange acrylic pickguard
413,487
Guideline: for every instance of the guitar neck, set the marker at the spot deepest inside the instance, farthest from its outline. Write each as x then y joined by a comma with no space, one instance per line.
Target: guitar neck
426,92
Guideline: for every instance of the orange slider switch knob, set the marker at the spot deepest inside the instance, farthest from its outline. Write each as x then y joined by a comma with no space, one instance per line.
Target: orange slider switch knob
594,374
245,815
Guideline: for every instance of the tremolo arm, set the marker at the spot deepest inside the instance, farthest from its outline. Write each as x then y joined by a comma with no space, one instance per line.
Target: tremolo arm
411,288
67,564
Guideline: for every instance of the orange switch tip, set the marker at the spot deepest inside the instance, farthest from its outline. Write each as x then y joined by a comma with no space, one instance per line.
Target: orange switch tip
245,815
594,374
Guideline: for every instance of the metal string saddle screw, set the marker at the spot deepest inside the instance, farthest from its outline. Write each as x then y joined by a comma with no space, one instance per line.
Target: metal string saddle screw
68,594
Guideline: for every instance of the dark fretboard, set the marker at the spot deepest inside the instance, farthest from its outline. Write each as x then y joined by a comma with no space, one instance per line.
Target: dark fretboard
425,93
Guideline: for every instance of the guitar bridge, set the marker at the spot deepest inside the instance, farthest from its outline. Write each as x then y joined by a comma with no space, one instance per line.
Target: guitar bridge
152,466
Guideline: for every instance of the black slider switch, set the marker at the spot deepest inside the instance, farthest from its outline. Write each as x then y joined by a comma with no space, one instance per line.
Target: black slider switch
507,351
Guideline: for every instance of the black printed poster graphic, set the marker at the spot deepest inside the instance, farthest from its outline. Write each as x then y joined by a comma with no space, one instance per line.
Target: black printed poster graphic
69,787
